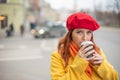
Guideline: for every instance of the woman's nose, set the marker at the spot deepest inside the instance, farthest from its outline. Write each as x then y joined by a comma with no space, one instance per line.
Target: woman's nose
84,37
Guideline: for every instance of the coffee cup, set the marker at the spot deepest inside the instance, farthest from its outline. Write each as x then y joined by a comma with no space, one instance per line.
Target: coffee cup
90,43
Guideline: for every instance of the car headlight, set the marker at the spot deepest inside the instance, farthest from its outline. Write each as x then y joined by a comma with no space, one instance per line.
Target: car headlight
41,31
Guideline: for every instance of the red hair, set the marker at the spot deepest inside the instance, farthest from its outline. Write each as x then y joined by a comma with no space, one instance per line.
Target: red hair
63,47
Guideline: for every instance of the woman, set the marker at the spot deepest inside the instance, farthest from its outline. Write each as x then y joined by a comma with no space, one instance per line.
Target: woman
71,61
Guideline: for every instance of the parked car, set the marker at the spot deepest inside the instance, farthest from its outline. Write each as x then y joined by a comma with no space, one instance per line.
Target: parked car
56,30
40,32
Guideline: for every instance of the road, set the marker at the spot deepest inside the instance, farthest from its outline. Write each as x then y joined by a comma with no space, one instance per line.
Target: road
26,58
109,41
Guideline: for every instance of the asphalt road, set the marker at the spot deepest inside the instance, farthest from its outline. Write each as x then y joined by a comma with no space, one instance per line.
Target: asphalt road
26,58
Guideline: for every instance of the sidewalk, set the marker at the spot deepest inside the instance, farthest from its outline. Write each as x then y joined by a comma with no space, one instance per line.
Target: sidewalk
16,35
2,34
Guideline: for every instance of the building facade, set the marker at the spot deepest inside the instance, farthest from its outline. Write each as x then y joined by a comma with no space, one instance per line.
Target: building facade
12,11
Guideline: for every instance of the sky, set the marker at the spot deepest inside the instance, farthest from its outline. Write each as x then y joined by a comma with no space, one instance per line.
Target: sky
81,4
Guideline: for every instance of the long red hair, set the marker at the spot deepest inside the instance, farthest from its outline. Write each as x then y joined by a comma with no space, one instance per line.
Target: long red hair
63,46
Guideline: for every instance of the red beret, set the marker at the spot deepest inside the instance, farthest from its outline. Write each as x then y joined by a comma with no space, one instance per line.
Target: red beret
81,20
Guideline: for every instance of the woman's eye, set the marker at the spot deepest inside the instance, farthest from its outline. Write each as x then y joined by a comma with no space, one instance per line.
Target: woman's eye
79,32
89,32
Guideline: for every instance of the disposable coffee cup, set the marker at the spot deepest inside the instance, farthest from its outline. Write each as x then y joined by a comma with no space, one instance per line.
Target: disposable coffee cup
90,43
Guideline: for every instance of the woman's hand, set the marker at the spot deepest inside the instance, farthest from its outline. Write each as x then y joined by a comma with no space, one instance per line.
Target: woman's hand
86,52
97,59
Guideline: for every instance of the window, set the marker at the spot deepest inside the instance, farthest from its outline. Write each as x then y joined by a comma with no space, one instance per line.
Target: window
3,22
3,1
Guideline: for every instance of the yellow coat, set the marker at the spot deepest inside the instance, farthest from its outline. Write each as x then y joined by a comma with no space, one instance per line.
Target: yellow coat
76,69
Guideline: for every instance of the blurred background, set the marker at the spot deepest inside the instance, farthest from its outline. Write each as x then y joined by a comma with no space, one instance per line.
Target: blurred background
30,31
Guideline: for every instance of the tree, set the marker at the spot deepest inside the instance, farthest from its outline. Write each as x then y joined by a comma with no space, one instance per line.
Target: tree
117,8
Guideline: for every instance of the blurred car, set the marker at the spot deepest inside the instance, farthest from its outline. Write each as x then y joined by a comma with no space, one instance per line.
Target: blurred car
40,32
55,30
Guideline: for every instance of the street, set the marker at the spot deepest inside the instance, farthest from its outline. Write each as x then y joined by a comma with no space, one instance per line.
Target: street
26,58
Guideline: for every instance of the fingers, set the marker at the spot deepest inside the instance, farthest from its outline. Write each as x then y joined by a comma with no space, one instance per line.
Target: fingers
97,60
86,48
89,53
90,58
86,51
83,47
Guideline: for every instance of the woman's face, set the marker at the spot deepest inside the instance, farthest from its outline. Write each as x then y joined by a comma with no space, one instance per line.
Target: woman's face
80,35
